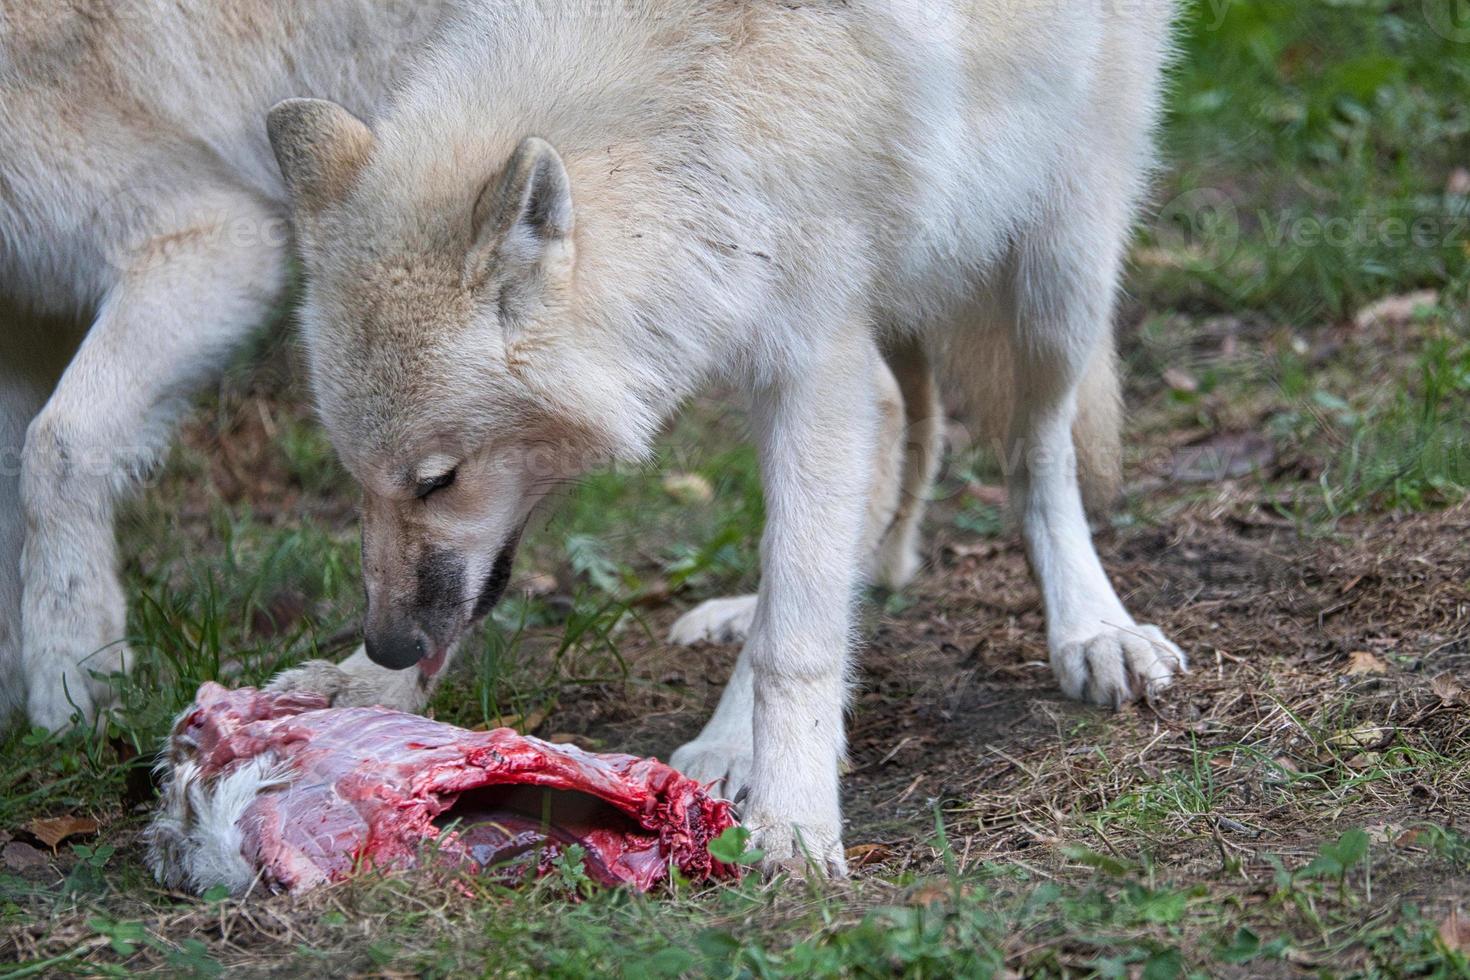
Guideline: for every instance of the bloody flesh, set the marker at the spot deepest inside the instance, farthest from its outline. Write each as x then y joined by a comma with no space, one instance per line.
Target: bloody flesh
369,787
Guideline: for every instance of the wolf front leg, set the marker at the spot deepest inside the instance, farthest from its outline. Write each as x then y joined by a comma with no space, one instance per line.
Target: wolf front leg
1062,304
903,470
816,433
33,350
186,294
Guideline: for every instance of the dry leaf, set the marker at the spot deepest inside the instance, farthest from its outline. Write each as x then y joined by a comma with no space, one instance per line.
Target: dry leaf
1395,311
1181,380
862,855
1363,662
1454,931
22,857
1447,689
1362,737
1383,833
930,895
525,724
689,488
52,831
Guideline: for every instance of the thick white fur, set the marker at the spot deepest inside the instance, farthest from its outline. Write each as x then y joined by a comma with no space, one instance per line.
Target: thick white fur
194,840
904,467
140,194
899,484
755,191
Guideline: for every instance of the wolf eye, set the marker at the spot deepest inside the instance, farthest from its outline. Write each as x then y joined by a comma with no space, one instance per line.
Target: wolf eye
427,488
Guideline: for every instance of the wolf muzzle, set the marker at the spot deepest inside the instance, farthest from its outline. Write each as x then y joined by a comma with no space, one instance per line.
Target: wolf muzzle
397,648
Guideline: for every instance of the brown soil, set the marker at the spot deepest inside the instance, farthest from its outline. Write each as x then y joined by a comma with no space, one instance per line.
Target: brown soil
956,707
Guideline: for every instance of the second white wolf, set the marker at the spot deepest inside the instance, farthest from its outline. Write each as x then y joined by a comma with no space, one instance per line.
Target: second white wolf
575,216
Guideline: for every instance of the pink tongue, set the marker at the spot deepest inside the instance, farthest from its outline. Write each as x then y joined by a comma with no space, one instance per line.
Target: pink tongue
430,666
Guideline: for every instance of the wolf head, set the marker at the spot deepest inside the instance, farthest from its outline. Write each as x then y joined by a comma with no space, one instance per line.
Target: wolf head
443,330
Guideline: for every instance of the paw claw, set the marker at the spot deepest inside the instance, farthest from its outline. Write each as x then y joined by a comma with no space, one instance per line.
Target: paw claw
1119,665
798,852
724,769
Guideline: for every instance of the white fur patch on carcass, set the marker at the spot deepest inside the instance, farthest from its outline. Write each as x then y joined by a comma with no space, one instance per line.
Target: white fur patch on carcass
194,841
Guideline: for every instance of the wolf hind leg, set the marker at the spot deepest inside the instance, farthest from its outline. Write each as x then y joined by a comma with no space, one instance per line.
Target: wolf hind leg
186,296
910,448
981,370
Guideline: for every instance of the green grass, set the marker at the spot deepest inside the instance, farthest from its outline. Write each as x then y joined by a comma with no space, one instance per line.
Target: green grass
956,924
1113,916
1413,451
1311,144
1312,147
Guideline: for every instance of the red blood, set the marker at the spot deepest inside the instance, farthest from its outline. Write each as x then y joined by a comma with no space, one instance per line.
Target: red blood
372,787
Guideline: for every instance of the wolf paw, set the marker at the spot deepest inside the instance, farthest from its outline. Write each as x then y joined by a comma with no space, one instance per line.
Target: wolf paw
313,677
716,621
57,698
797,849
1118,665
356,683
722,767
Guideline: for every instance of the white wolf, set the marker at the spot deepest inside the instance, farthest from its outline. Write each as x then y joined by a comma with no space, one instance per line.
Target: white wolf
141,209
573,216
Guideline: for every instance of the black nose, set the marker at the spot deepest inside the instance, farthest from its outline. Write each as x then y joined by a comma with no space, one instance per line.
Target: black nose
397,648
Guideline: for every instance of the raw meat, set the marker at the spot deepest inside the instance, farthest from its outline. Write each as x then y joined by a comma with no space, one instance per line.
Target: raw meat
283,791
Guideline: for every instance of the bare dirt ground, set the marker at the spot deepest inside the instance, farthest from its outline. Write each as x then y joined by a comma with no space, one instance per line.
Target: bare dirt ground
1363,638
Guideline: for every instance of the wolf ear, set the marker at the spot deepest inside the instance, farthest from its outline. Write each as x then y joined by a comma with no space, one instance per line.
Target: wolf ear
523,214
321,148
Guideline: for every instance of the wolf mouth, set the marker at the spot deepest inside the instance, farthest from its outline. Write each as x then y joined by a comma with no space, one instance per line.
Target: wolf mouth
498,580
